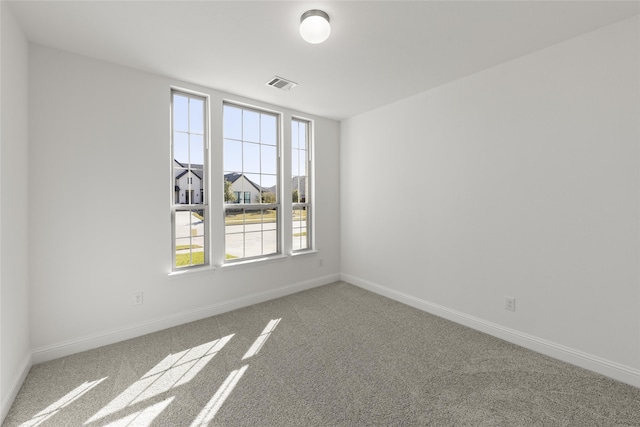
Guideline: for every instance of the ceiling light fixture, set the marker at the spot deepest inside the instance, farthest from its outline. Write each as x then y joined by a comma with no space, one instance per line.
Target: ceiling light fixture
314,26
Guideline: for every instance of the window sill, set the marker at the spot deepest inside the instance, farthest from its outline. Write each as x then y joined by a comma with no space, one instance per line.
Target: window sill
303,253
198,271
188,272
254,261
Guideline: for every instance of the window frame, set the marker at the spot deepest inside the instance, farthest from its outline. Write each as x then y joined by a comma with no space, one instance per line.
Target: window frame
278,205
205,191
308,204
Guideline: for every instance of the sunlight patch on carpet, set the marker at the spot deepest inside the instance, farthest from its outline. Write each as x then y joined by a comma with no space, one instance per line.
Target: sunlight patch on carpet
142,418
67,399
259,342
173,371
213,406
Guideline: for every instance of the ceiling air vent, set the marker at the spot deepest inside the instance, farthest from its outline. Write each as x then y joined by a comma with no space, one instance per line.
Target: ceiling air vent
280,83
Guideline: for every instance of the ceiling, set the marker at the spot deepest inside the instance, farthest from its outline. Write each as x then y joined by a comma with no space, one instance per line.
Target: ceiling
378,52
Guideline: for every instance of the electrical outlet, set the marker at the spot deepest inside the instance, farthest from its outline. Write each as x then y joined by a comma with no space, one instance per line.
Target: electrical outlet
137,298
320,263
510,303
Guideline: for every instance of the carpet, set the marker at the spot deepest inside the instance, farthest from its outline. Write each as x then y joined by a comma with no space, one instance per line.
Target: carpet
336,355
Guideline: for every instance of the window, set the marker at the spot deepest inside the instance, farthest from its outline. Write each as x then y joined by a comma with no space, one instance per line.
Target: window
242,197
189,210
300,167
251,170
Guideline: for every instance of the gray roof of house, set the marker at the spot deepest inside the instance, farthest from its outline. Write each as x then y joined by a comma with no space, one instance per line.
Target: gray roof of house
234,176
195,169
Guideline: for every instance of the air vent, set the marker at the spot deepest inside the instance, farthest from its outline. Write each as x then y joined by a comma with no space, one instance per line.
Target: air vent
280,83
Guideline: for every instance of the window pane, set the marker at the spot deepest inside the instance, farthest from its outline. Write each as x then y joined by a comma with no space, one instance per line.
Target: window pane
234,233
196,115
196,149
270,218
270,242
269,183
181,147
294,134
232,156
252,243
252,183
295,192
302,135
197,185
234,218
232,122
197,227
270,227
302,156
234,243
189,232
251,157
183,252
253,232
183,225
251,126
295,163
300,229
268,129
269,160
180,113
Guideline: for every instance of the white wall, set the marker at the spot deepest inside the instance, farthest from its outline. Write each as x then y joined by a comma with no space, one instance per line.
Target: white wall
530,176
14,213
93,247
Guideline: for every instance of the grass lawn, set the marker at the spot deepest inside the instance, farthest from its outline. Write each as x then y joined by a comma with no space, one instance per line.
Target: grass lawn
198,257
183,259
253,217
299,214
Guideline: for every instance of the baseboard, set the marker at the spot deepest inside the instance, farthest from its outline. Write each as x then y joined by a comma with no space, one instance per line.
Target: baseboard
575,357
20,376
67,348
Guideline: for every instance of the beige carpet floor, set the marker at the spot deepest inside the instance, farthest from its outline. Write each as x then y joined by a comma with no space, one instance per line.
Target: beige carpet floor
335,355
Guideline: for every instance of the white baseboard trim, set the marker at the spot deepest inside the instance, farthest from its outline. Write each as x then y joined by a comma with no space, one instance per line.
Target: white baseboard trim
575,357
20,376
67,348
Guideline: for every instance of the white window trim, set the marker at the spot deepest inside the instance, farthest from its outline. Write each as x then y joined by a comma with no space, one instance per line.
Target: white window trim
215,245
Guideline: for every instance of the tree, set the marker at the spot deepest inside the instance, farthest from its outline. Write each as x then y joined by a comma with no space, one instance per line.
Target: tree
229,195
296,195
268,197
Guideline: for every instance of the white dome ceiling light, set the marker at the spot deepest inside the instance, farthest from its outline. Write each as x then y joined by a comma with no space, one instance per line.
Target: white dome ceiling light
314,26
